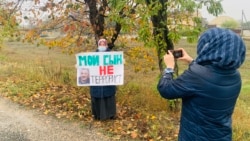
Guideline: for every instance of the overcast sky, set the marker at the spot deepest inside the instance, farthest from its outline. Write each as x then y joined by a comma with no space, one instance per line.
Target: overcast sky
232,8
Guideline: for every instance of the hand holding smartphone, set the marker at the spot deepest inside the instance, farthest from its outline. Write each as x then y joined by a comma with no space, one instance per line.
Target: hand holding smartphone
177,53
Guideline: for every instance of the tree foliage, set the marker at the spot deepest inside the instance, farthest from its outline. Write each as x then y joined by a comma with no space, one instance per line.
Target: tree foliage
230,24
156,23
8,22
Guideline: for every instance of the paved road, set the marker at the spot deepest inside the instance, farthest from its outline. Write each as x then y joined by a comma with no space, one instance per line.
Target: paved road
20,124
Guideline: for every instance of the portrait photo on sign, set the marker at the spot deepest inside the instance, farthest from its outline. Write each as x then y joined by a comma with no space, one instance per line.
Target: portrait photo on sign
83,76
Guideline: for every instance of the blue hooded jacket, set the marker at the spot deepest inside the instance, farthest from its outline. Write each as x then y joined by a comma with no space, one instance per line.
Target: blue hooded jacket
209,88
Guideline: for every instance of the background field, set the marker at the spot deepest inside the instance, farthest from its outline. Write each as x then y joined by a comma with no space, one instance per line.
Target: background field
45,79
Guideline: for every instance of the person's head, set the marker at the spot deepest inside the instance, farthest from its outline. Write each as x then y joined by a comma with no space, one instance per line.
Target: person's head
102,45
221,48
84,74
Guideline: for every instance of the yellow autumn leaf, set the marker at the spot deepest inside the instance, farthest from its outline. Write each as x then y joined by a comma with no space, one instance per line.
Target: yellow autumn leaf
134,134
46,112
153,117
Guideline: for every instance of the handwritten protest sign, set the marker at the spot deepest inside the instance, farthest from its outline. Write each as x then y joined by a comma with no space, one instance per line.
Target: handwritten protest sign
100,68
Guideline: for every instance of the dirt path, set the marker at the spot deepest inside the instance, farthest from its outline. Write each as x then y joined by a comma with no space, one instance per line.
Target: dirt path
20,124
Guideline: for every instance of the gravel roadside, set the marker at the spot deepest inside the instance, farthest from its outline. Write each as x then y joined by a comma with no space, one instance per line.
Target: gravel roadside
20,124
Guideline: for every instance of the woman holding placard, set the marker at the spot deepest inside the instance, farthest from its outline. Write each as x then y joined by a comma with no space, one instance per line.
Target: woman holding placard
103,103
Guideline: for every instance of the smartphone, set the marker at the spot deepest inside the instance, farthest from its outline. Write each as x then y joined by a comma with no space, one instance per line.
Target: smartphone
177,53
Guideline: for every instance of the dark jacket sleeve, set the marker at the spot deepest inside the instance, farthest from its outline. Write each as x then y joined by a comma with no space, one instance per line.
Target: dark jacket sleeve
183,86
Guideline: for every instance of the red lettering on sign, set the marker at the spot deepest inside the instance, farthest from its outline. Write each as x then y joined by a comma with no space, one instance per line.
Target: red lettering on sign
103,70
110,69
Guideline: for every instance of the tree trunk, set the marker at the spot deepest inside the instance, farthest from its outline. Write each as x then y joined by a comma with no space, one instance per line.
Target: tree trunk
160,32
97,20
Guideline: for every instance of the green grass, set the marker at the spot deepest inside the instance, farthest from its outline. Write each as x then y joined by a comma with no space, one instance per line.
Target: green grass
46,79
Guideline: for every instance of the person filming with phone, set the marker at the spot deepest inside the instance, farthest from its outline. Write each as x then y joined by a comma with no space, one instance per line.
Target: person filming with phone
209,88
